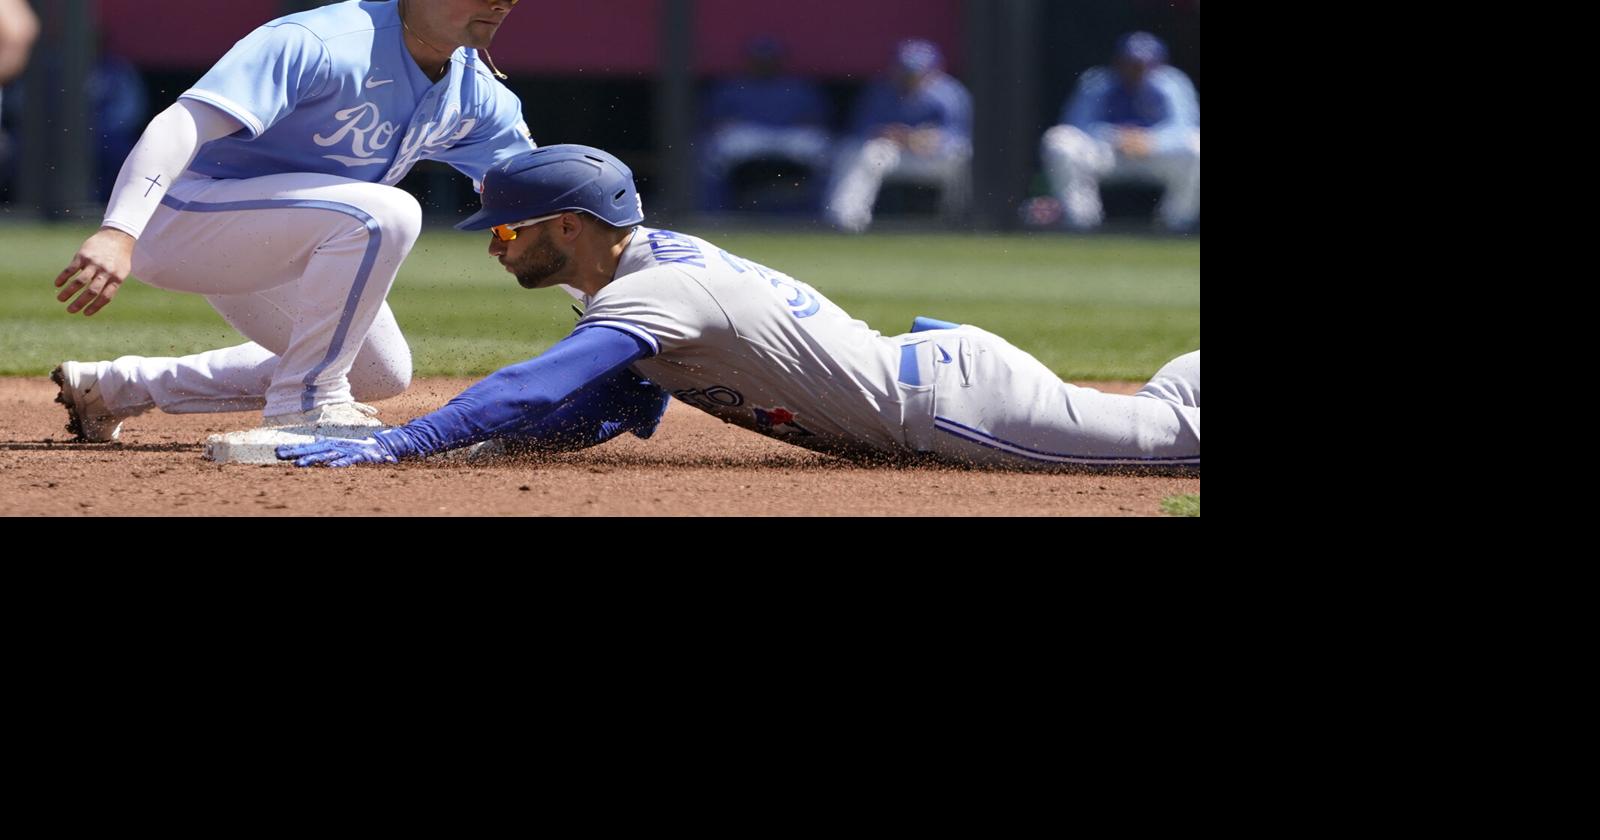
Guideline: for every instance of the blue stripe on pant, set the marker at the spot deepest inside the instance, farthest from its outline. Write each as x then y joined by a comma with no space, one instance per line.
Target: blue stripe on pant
374,243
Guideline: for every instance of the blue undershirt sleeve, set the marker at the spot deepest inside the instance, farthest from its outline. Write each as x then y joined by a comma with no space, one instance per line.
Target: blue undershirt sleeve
514,400
626,402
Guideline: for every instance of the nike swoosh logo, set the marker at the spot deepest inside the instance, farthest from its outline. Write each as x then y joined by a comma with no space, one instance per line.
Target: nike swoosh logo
372,83
946,354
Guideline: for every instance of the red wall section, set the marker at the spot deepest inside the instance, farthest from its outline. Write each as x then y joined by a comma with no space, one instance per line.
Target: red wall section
180,34
824,37
602,37
833,38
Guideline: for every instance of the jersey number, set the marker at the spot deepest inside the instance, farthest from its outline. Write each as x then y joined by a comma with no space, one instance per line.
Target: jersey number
800,298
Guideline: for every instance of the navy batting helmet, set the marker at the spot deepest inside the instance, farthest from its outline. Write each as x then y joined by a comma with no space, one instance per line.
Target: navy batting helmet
915,55
555,179
1142,47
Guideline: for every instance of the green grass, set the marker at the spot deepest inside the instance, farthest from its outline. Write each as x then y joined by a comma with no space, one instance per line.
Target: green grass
1185,505
1090,308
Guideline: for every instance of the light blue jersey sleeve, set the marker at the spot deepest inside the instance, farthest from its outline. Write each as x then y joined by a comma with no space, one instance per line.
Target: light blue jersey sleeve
957,108
265,76
502,134
1183,110
1084,109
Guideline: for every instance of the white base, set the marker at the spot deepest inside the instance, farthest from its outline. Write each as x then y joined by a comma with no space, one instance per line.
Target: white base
259,446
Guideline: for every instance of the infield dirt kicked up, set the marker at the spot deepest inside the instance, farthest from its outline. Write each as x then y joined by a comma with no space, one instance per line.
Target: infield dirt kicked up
693,465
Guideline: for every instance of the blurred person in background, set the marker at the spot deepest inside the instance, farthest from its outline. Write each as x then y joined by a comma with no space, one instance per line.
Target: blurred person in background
18,29
1137,120
914,125
765,114
121,110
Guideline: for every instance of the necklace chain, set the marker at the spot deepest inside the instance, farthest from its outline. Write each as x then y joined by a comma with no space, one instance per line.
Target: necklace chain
493,69
420,39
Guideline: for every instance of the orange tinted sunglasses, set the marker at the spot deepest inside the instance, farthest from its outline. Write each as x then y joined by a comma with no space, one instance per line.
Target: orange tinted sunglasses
508,232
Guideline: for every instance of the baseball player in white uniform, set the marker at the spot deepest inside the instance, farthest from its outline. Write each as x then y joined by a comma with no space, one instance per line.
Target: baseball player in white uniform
268,188
1137,120
668,313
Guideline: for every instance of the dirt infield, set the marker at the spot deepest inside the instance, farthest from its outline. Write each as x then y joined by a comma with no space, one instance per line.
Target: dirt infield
694,465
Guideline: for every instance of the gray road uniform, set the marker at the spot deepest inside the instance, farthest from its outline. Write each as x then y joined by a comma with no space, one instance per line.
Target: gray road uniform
765,351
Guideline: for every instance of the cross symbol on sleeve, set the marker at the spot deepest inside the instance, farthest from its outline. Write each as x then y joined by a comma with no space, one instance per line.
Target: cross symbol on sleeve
154,182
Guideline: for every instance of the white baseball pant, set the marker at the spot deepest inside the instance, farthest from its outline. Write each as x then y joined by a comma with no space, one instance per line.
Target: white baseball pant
298,263
862,168
1077,164
994,404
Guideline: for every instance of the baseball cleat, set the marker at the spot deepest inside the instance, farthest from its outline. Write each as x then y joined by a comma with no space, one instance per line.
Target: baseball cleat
324,418
88,419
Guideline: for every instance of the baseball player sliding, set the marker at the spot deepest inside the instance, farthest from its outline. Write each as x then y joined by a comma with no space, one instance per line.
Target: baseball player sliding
667,313
268,188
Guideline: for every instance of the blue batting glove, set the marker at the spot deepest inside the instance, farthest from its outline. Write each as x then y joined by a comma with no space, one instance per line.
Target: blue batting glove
338,452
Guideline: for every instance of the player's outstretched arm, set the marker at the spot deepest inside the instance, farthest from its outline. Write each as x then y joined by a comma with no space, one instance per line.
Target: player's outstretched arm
166,149
512,402
595,414
626,402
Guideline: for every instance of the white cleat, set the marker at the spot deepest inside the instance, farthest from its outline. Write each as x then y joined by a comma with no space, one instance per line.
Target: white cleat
346,419
88,419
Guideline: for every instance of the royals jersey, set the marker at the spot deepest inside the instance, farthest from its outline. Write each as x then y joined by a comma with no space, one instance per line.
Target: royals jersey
755,347
335,91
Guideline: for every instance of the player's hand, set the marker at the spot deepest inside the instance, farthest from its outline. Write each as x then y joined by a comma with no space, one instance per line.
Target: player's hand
98,269
337,452
898,132
925,141
1134,143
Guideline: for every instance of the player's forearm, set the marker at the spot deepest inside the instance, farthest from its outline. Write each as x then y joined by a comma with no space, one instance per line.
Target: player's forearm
166,149
1171,138
513,401
1179,129
498,405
